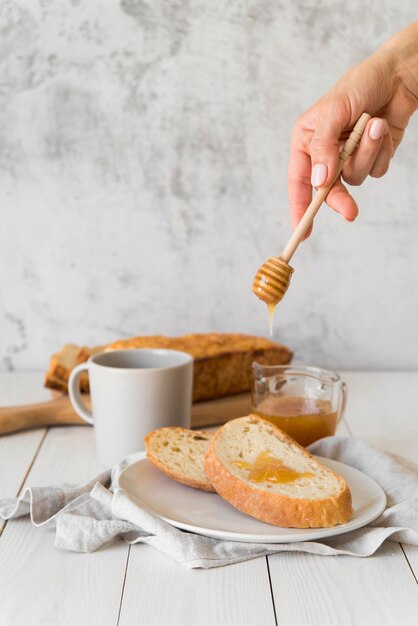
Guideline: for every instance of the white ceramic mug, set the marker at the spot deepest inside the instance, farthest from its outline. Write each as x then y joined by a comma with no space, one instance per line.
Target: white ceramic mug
133,392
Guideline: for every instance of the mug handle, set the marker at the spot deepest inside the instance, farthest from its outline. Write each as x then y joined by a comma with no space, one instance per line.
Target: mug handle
75,395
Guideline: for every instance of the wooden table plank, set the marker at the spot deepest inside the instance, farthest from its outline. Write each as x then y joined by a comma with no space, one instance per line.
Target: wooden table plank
16,455
164,593
18,451
41,584
324,591
411,554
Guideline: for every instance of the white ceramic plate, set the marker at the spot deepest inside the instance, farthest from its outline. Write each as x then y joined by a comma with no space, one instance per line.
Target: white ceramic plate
208,514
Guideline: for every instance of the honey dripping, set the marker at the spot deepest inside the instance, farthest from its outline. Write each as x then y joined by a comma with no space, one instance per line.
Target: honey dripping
268,468
271,308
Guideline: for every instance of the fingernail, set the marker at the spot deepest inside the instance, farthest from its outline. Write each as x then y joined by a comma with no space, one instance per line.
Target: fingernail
319,174
377,128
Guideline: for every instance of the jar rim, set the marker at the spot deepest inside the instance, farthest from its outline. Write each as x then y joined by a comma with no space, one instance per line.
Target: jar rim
309,371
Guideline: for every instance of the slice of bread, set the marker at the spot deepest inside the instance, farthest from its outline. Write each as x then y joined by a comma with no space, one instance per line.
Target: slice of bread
180,453
314,497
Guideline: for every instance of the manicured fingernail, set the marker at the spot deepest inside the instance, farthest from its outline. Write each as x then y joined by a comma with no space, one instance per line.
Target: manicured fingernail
376,130
319,174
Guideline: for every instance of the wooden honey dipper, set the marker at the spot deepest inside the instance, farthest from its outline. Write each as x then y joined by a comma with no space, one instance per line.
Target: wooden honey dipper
273,277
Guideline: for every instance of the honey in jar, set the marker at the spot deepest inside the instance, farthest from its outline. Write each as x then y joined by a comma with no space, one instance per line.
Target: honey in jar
304,419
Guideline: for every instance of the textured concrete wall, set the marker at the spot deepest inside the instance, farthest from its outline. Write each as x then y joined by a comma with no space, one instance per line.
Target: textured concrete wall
143,158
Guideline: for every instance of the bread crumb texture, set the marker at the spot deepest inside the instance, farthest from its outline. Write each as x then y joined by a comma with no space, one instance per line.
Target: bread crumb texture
180,454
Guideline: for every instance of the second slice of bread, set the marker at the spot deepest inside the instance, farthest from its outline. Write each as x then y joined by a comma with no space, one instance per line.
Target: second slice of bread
321,499
180,453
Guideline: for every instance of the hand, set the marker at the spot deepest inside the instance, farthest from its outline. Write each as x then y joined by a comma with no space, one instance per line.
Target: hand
384,86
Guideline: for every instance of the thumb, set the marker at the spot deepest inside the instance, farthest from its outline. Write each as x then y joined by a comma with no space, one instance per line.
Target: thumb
324,150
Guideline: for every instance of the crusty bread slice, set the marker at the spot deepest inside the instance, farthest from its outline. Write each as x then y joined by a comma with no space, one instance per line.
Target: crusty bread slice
180,454
319,499
62,363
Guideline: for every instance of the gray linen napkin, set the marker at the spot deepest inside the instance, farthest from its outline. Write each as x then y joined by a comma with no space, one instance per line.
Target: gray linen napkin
90,515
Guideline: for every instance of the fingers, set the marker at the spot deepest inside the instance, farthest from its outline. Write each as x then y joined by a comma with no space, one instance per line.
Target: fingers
342,201
382,162
324,146
315,157
299,184
372,152
321,149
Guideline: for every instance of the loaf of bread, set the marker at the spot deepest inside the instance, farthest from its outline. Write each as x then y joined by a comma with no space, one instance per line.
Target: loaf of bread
222,361
261,471
180,454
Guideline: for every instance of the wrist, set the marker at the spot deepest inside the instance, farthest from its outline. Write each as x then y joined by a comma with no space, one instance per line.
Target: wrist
401,55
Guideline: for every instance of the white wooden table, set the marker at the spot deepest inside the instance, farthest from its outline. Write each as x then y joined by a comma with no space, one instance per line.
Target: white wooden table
119,585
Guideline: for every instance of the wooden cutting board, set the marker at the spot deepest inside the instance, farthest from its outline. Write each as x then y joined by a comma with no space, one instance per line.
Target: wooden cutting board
58,411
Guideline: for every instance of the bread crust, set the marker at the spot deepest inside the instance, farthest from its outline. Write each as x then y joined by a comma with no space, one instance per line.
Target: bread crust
274,508
177,476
